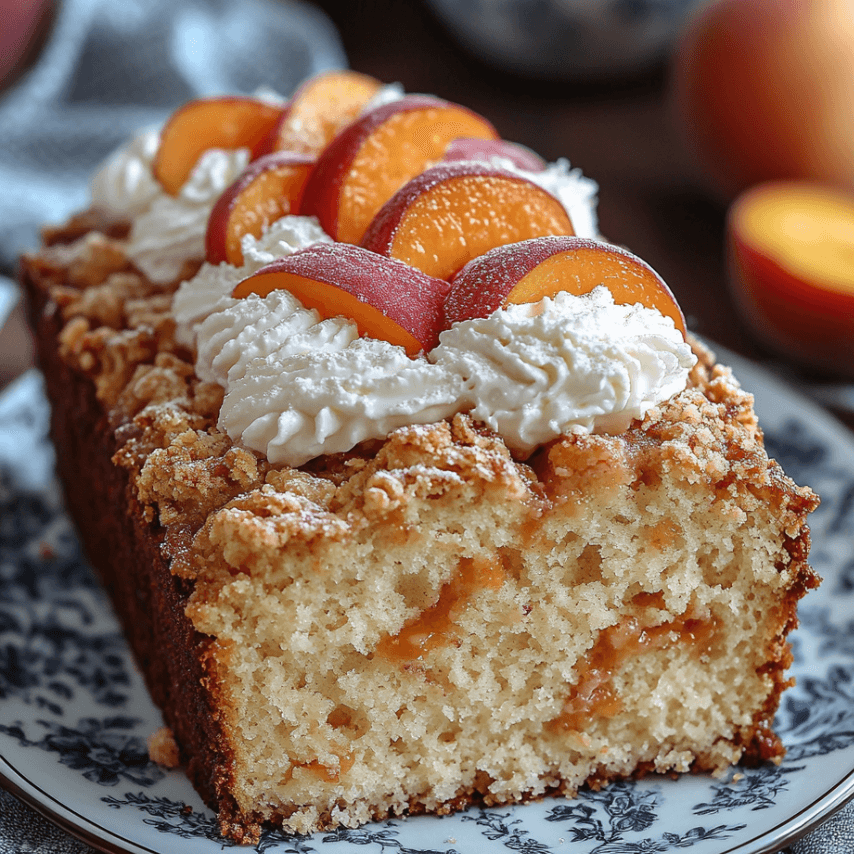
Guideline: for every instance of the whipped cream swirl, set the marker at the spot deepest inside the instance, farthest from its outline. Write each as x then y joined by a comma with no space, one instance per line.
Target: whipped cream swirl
573,190
167,231
173,228
569,364
125,185
295,408
274,327
297,387
386,94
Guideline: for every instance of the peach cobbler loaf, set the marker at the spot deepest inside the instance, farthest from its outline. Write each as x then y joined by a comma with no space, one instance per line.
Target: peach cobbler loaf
388,580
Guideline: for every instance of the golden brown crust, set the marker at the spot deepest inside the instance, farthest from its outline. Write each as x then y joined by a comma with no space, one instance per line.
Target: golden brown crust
149,601
130,412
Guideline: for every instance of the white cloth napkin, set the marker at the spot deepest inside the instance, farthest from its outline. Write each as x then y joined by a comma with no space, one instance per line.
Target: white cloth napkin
110,67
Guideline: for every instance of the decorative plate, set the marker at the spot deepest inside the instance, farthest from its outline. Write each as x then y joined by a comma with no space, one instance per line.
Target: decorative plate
74,715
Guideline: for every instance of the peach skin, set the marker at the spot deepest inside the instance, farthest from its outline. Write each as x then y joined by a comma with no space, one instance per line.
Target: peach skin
268,189
231,122
528,271
386,299
320,108
377,154
485,149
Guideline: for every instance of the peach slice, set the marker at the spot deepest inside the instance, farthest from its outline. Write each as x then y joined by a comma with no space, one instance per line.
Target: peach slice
386,299
454,212
268,189
528,271
377,154
320,108
232,122
791,270
484,149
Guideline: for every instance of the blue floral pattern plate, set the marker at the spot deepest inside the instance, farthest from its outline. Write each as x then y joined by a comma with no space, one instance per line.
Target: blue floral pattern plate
75,715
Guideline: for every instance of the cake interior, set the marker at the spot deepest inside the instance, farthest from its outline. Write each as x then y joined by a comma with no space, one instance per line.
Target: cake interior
447,621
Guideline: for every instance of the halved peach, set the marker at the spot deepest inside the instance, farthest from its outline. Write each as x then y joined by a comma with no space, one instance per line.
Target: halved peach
791,270
370,159
485,149
320,108
528,271
454,212
232,122
386,299
268,189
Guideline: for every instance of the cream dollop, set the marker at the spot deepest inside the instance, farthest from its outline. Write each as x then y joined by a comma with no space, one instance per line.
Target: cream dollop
295,408
576,192
297,387
172,230
386,94
200,296
570,364
278,326
125,185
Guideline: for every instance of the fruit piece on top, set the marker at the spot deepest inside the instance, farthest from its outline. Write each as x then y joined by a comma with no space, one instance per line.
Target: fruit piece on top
485,149
528,271
370,159
320,108
386,299
269,188
231,122
454,212
791,270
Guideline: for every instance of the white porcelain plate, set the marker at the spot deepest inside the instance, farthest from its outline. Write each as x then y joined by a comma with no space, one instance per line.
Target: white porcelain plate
74,714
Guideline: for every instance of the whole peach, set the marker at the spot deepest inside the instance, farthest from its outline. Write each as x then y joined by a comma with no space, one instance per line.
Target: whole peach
763,90
20,29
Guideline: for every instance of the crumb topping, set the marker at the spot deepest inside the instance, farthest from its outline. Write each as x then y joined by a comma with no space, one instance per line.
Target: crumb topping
163,749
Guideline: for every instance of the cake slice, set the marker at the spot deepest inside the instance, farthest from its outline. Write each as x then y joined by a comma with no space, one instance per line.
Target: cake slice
434,617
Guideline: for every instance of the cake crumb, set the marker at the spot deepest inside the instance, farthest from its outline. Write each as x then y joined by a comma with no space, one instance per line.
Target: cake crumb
163,749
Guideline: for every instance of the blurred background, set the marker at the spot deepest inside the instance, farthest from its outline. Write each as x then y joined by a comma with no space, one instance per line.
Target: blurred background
677,108
662,116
